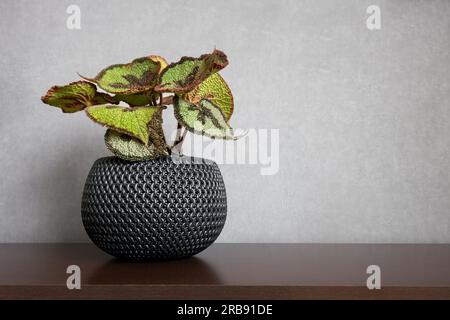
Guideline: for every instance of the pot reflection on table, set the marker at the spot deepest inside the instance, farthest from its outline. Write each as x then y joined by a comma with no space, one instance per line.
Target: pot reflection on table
184,271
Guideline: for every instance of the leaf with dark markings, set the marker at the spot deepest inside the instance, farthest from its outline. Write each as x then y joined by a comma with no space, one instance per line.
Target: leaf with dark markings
131,121
137,76
134,100
72,97
203,118
216,90
184,75
131,149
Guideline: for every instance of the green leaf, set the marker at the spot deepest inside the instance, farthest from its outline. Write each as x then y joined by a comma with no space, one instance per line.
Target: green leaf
161,60
156,137
134,100
204,118
216,90
131,121
71,98
103,98
139,75
186,74
129,148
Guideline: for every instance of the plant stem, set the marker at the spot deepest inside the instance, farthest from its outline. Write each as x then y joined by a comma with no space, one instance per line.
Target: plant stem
179,144
179,127
176,147
163,101
178,135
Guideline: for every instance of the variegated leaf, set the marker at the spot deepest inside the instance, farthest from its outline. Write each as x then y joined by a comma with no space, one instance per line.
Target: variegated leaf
203,118
186,74
132,121
72,97
139,75
161,60
216,90
156,136
131,149
134,100
103,98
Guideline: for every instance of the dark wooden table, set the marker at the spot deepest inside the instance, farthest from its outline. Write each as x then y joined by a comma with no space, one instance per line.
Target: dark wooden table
238,271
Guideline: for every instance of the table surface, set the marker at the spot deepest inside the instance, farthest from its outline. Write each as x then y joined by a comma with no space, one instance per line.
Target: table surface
236,271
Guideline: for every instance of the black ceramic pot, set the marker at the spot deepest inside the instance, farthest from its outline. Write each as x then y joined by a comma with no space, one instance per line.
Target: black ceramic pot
167,208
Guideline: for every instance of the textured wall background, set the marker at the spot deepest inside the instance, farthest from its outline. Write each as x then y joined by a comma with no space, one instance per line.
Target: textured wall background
364,116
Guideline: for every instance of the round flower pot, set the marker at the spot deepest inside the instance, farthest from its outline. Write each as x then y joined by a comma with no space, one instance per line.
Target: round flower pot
168,208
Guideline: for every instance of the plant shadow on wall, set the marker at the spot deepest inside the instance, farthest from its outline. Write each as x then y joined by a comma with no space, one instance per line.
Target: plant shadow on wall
148,202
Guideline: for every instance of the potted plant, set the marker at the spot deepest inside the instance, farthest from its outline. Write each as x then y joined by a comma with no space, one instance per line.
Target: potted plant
147,201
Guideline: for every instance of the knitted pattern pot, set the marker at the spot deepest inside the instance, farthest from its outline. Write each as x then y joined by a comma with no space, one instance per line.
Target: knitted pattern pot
167,208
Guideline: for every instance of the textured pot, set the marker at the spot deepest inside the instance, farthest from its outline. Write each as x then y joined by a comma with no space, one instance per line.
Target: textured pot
167,208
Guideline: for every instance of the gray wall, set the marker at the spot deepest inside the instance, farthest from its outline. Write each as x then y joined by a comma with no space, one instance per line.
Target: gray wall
364,116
